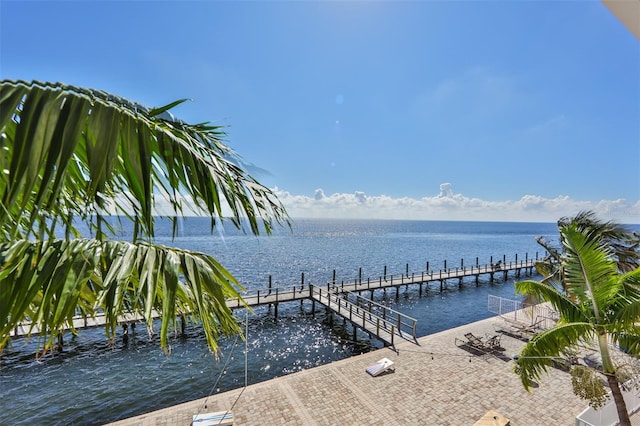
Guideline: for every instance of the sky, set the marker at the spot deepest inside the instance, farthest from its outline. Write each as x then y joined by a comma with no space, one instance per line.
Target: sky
430,110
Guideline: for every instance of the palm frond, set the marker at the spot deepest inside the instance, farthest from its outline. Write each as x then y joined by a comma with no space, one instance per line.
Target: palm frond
588,268
545,292
542,351
622,242
78,149
46,281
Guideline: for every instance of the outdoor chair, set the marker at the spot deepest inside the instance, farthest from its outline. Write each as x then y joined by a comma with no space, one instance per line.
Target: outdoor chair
474,341
494,341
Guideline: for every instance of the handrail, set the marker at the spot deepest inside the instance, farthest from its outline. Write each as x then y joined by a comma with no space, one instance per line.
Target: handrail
432,275
348,309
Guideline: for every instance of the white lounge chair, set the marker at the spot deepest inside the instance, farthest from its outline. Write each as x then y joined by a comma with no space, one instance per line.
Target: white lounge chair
379,367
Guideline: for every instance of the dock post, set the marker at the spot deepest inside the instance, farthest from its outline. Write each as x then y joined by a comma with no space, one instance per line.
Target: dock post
407,271
302,282
269,285
60,341
385,272
427,270
334,277
360,275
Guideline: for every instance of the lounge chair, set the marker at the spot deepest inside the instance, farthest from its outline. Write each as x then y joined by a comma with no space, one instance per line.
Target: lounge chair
477,346
519,328
494,341
474,340
224,418
380,367
473,343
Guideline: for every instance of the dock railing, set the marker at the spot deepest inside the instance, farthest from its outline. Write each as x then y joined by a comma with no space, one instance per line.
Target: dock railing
367,314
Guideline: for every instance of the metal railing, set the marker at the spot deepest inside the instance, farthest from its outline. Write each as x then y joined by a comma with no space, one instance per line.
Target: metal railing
516,310
366,313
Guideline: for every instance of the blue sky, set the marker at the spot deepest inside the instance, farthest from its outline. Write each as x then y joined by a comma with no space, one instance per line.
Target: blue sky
500,110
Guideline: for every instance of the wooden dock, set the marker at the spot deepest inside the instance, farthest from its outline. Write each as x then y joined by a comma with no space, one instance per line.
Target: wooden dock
359,285
345,299
386,327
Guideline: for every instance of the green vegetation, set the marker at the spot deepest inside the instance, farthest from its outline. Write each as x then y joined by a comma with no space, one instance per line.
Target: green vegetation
593,283
72,155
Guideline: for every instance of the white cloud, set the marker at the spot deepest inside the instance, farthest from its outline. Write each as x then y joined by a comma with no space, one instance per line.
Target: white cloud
446,190
450,206
446,205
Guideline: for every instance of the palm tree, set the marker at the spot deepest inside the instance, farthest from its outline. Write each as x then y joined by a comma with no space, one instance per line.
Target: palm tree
597,304
72,155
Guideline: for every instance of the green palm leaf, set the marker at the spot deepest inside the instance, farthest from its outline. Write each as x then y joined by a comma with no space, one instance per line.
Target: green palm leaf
72,154
112,277
544,349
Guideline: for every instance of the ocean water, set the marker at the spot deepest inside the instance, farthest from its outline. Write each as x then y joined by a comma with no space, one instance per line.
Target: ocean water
94,382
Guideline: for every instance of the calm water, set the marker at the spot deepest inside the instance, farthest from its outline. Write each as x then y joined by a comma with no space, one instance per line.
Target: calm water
93,382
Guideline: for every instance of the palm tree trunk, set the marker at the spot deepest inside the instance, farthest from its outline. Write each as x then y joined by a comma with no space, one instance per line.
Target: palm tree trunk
621,406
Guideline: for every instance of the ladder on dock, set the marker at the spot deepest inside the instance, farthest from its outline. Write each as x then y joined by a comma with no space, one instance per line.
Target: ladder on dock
376,319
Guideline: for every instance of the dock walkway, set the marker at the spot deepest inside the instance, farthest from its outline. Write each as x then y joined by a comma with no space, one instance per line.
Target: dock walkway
378,326
358,285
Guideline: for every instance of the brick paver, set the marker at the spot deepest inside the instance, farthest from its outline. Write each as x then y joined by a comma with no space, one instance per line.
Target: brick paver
434,383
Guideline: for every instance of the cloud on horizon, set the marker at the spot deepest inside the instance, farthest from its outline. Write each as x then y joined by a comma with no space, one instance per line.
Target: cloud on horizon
446,205
450,206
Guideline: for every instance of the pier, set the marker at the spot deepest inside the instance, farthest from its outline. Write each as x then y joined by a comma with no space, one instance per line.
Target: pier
345,299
